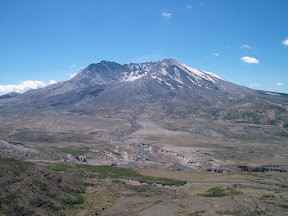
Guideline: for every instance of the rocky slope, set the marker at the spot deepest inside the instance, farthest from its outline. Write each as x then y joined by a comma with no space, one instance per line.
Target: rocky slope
29,189
9,95
165,88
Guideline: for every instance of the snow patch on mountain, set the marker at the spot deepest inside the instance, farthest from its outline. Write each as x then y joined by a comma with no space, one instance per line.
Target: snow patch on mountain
192,81
175,79
164,72
169,85
132,76
199,74
214,75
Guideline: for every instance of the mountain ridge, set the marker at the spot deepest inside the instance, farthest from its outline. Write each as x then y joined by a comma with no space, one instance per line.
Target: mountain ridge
175,87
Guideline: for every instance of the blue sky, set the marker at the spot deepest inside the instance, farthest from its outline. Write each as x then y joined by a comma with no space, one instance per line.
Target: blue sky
245,42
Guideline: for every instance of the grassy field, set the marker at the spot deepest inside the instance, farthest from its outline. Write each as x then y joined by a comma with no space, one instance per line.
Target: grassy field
58,167
219,192
73,152
123,173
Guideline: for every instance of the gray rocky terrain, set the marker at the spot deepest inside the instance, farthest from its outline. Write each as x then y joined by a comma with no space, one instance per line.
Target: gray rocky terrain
165,120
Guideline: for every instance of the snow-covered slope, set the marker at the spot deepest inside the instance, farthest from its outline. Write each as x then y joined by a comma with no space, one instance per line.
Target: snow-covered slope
139,71
183,75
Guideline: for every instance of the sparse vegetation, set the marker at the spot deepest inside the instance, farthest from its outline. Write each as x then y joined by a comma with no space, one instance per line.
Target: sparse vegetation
87,184
109,171
55,208
12,161
84,148
220,192
58,167
215,192
43,188
73,152
77,201
282,134
118,173
11,197
266,196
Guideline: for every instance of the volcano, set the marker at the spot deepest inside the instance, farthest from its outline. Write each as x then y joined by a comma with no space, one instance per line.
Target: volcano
164,88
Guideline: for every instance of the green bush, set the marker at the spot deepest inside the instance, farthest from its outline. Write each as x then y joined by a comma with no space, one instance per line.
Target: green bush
55,208
215,192
266,196
11,197
78,200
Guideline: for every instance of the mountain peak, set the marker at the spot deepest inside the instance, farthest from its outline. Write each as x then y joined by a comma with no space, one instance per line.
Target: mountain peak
107,72
169,61
103,63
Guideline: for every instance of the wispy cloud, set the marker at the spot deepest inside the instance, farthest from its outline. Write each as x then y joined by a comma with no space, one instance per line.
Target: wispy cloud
215,54
74,65
249,60
279,84
246,46
189,6
166,14
253,85
285,42
24,86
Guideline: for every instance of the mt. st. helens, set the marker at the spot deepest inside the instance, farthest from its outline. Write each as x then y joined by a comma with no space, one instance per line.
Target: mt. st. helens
164,88
164,119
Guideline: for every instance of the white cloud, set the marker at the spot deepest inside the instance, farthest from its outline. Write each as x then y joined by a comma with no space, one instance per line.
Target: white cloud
24,86
279,84
74,65
253,85
166,14
189,6
51,82
215,54
285,42
246,46
249,60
